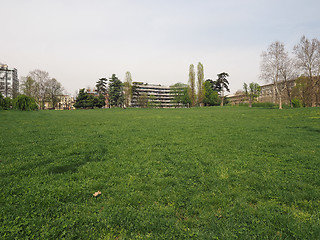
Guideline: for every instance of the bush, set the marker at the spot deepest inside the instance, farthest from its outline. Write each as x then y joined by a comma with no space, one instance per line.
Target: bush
296,103
264,105
25,103
243,104
1,101
7,103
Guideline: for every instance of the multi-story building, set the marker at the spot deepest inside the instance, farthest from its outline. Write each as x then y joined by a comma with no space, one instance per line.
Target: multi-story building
268,93
144,95
9,82
66,102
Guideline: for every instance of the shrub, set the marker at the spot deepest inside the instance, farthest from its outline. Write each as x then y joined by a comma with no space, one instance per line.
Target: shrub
264,105
7,103
1,101
296,103
25,103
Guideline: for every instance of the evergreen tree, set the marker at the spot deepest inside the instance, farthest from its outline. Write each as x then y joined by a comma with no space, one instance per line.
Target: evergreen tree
222,84
115,91
102,86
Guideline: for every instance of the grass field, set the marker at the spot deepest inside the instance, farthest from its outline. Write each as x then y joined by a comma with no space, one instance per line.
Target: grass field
202,173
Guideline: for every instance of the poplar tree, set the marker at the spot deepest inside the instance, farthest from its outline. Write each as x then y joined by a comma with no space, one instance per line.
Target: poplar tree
127,88
200,84
191,87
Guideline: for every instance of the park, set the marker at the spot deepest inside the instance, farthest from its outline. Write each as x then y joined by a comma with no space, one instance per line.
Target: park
189,173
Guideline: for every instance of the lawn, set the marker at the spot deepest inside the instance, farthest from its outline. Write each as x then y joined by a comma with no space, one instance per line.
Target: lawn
201,173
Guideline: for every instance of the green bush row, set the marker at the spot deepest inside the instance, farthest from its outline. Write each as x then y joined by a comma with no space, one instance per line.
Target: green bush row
22,102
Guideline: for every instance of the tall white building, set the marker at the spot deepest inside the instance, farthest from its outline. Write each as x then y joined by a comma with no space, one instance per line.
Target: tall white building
9,82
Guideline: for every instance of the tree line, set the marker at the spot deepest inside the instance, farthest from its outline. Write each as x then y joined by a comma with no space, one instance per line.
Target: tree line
36,90
109,92
44,89
278,67
203,92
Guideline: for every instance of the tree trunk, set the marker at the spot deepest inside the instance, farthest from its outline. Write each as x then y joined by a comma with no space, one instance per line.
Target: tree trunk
280,102
222,94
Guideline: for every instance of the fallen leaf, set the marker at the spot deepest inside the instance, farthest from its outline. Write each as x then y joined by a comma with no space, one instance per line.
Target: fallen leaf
96,194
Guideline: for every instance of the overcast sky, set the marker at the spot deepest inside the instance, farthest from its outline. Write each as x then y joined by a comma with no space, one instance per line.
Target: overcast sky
79,41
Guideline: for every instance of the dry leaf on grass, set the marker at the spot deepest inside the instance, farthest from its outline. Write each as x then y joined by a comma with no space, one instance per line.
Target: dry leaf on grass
96,194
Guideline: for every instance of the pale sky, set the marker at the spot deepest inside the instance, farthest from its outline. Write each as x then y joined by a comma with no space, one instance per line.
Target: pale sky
79,41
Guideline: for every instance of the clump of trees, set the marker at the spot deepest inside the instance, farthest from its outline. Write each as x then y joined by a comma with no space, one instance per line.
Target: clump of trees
21,102
86,100
278,67
252,92
111,92
181,96
41,87
209,92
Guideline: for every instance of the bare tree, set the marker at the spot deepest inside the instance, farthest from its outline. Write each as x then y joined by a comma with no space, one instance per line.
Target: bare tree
308,61
272,67
53,90
127,88
200,74
191,88
288,72
41,78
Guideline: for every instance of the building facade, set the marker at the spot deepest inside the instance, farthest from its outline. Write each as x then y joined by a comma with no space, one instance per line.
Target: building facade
268,94
66,102
152,95
9,82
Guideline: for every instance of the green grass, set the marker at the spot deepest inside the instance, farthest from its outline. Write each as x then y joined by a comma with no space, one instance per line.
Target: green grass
202,173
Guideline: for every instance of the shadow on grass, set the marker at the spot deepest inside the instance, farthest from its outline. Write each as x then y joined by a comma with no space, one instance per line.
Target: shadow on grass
75,165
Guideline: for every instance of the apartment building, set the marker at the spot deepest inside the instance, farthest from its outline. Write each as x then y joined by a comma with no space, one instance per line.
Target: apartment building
66,102
145,94
9,82
268,94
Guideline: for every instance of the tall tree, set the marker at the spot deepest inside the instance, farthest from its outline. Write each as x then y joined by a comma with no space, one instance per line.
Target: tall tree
252,91
101,86
40,78
115,91
53,90
222,84
28,86
211,97
308,60
273,61
127,88
288,72
200,74
192,87
102,90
